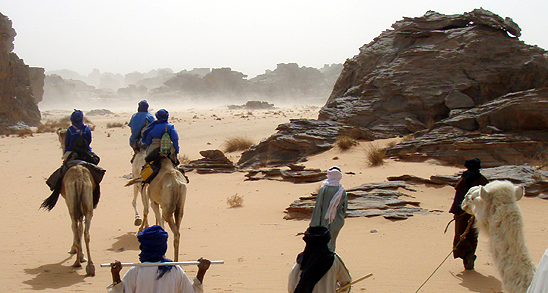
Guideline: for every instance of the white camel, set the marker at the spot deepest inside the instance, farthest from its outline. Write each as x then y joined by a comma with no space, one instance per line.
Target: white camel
498,215
77,190
168,191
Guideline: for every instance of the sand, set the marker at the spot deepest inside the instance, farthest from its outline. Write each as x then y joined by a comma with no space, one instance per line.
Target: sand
256,243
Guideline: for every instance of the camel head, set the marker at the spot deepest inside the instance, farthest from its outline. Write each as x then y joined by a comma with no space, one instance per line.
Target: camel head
482,201
61,133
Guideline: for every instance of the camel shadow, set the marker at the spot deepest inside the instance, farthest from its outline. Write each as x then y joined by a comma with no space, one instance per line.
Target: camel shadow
476,282
124,242
54,276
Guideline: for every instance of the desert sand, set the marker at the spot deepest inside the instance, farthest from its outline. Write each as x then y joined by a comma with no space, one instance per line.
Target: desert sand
257,244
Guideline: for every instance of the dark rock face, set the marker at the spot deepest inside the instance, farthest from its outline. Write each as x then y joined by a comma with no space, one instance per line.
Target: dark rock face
213,161
16,94
297,140
426,66
295,174
510,129
366,200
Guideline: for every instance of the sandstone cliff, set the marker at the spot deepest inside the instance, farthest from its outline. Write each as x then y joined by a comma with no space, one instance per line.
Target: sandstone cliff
16,94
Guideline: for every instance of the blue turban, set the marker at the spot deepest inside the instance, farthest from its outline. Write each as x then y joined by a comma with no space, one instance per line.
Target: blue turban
154,246
77,119
143,106
162,115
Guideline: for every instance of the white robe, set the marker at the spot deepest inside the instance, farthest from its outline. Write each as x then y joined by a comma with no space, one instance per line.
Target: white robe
336,277
540,280
143,280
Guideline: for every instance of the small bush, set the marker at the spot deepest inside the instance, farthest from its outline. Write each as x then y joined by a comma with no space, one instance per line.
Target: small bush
24,132
235,201
52,126
375,155
346,142
115,124
183,159
237,144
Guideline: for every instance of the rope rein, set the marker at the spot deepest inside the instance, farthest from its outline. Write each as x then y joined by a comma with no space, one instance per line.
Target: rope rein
462,237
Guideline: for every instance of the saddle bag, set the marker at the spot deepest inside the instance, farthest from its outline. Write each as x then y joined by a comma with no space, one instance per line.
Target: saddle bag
147,171
165,144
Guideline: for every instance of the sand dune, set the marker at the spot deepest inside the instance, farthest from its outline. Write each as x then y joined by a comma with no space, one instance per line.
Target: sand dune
256,243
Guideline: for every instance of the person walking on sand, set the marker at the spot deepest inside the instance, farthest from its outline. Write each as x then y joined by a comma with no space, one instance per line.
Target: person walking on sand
331,205
165,279
318,269
466,249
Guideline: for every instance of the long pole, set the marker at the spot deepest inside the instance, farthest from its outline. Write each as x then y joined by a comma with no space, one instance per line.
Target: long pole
354,282
157,264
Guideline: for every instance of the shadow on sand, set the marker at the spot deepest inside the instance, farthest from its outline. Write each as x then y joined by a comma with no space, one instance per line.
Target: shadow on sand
55,276
124,242
476,282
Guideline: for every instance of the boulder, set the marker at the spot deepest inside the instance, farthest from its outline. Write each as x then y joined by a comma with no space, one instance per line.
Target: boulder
213,161
16,93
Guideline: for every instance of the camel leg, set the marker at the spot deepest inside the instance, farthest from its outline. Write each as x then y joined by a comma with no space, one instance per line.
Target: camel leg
77,242
87,208
156,209
136,191
145,199
90,268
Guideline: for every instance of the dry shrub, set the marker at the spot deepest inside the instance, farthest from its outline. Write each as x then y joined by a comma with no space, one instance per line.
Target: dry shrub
115,124
183,159
235,201
375,155
24,132
346,142
52,126
237,144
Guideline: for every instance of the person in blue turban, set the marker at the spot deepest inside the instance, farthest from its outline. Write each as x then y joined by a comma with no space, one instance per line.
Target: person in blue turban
166,279
138,123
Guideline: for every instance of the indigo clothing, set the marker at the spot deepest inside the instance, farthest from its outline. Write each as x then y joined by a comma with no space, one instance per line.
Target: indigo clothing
73,133
137,122
143,106
77,118
156,129
154,246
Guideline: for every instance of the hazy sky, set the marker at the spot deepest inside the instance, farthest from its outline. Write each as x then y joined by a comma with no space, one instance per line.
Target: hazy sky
123,36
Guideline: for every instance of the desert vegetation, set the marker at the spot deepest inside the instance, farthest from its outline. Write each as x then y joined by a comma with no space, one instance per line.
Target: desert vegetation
239,143
346,142
374,154
235,201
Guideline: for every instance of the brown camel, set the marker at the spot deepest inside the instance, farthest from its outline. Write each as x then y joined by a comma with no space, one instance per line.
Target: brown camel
168,191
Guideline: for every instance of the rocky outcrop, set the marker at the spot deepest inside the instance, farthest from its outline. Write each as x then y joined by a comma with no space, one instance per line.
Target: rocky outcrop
367,200
297,140
510,129
16,94
535,181
213,161
416,73
295,174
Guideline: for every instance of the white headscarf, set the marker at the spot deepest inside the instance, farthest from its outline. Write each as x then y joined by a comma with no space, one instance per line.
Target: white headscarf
334,176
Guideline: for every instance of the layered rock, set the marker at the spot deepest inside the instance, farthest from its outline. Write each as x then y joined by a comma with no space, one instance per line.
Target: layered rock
16,94
510,129
213,161
410,76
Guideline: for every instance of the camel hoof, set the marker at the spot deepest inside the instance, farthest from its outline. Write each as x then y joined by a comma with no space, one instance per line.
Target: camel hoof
138,222
76,265
90,270
72,251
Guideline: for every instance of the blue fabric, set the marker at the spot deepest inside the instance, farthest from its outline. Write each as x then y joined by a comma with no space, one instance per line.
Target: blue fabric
73,133
156,129
77,118
154,246
136,123
143,106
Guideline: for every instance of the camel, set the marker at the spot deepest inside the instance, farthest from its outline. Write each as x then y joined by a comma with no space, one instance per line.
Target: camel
136,166
168,191
77,190
498,216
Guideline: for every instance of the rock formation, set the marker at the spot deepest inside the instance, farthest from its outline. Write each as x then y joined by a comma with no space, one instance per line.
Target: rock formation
16,94
460,84
411,75
213,161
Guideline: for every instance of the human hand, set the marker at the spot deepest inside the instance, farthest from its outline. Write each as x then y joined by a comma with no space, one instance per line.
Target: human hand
115,268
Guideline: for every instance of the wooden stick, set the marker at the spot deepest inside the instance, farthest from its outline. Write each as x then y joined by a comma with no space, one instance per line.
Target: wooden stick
157,264
354,282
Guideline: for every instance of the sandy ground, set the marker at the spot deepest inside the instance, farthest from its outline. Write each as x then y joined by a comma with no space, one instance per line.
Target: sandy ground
256,243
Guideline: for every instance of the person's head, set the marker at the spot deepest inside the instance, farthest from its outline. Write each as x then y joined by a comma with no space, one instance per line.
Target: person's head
143,106
473,164
334,173
162,115
316,236
77,118
153,242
